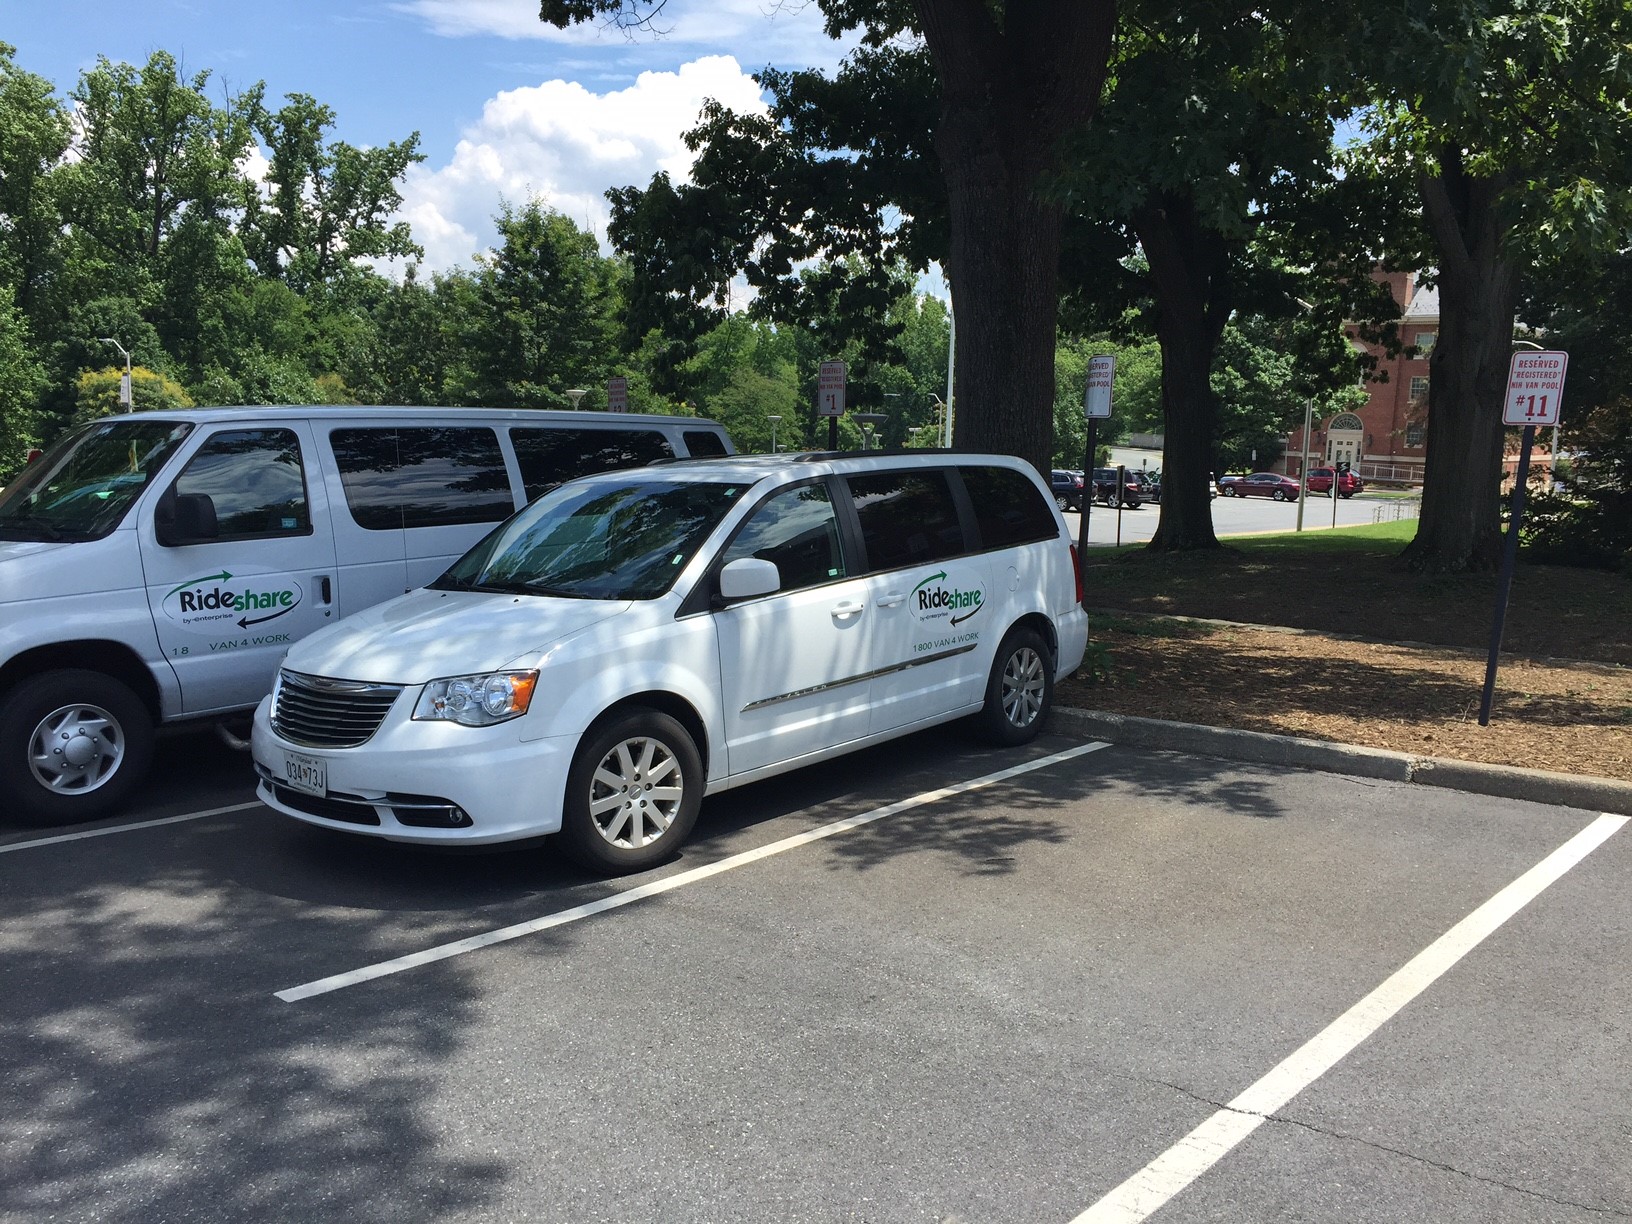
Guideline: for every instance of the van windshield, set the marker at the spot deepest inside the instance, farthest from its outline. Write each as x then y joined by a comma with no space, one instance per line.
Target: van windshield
627,541
82,487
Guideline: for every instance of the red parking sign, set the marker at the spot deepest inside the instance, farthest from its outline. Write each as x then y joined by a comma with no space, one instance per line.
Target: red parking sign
1535,387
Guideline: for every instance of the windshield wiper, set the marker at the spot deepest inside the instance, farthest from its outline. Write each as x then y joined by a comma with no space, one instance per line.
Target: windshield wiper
33,522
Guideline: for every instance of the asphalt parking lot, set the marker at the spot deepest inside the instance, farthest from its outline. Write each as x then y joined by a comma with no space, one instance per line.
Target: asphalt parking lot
939,983
1244,516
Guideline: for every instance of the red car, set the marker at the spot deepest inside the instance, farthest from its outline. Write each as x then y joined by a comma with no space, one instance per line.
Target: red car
1260,484
1319,481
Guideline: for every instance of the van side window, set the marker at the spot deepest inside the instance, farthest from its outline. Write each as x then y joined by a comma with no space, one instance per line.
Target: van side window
703,443
254,479
422,476
798,530
549,456
1009,508
907,518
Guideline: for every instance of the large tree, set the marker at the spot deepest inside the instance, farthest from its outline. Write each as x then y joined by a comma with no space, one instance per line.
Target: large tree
1014,78
1510,120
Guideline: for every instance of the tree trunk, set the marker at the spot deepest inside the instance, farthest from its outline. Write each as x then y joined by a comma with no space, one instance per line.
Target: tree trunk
1014,80
1189,267
1460,527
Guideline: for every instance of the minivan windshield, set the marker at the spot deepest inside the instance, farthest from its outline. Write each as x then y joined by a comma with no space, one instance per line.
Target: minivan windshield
592,541
82,487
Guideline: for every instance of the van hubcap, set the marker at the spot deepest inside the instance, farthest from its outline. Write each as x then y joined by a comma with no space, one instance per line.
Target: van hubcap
1023,687
635,793
75,749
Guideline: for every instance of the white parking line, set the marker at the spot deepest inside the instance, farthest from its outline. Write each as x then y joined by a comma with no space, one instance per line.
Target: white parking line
1147,1190
129,828
679,880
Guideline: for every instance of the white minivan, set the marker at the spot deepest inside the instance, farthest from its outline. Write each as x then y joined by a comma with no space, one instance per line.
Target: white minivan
633,641
155,567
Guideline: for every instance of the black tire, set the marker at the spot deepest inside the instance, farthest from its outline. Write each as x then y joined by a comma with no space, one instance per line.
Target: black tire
1226,491
1345,496
1112,500
1134,503
1063,502
1020,690
643,747
74,745
1279,494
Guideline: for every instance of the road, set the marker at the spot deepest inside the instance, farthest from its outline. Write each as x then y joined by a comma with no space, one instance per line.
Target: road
923,986
1245,515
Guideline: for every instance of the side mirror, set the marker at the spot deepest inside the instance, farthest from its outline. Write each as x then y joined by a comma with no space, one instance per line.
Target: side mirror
747,577
185,518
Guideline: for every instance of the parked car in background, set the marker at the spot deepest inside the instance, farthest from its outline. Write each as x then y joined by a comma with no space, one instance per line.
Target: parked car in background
1319,481
1260,484
1132,491
1067,487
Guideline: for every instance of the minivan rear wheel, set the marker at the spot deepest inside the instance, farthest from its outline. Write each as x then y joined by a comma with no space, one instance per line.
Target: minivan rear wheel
1020,689
633,793
74,744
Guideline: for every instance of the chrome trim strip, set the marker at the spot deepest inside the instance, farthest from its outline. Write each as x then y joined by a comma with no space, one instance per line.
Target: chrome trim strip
857,679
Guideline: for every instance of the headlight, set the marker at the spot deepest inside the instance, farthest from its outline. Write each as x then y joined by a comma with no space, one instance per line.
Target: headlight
477,701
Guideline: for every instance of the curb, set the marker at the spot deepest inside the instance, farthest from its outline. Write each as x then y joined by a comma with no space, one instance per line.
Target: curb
1501,781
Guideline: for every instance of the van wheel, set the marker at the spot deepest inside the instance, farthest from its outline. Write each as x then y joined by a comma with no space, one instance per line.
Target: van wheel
1020,690
74,744
633,793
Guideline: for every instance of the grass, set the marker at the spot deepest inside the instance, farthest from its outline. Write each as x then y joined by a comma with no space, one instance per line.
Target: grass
1380,538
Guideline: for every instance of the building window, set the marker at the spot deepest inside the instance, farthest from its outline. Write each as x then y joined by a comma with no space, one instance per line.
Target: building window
1425,343
1419,389
1414,433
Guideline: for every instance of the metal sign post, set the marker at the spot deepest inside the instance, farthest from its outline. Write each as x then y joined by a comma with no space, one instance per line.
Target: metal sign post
1535,386
1096,405
617,394
830,398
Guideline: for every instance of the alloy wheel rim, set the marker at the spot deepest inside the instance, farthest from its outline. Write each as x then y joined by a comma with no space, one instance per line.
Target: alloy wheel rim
635,793
1023,685
75,749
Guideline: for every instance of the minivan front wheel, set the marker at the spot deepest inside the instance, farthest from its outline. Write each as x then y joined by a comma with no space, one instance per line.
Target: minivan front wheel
74,744
1020,690
633,793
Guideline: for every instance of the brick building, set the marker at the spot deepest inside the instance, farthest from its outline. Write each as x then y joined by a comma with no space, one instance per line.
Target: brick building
1386,438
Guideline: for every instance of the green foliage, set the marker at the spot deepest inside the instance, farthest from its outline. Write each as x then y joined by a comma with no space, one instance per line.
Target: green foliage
97,393
21,380
34,131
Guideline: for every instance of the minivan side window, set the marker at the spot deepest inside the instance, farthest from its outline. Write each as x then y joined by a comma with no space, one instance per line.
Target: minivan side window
549,456
422,476
1009,508
703,443
797,529
255,480
907,518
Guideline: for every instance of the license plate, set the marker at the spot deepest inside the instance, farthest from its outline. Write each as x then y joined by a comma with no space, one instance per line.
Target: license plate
306,773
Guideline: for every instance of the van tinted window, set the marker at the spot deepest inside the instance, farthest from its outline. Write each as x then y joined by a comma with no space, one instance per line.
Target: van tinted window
253,477
704,443
1009,508
907,518
550,456
797,530
422,476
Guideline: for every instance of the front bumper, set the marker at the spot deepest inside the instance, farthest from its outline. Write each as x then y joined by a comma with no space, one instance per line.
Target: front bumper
424,782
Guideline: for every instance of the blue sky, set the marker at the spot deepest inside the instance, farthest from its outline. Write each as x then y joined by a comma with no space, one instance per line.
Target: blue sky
507,108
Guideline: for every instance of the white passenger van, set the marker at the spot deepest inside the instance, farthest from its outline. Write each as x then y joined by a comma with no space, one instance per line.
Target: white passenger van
633,641
156,567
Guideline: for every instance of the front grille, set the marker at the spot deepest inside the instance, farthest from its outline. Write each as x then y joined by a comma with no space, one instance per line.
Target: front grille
352,811
319,713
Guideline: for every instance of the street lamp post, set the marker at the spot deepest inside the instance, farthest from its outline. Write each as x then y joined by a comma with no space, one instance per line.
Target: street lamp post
1303,469
124,383
774,420
576,394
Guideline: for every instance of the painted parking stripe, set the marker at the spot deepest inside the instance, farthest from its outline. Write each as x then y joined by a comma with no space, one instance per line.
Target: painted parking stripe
1147,1190
679,880
129,828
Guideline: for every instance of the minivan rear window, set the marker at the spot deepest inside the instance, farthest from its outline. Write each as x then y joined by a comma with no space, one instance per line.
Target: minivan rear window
422,476
1009,507
550,456
907,518
704,443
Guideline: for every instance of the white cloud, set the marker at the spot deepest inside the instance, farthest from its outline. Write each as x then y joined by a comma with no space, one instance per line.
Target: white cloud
564,145
775,29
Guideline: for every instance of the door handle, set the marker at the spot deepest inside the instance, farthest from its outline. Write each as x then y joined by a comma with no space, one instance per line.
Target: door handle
890,600
325,591
848,607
